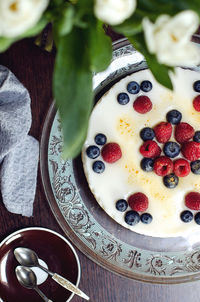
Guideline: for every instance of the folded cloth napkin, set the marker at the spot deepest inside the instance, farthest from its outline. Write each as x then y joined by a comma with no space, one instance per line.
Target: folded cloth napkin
19,152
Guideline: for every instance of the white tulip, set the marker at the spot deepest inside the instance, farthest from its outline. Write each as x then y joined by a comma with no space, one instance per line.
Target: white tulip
17,16
170,38
114,12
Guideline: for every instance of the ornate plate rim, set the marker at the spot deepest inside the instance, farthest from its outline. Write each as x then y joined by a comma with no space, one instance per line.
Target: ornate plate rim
67,229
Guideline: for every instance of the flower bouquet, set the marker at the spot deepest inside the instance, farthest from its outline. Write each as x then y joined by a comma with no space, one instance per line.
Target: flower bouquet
160,29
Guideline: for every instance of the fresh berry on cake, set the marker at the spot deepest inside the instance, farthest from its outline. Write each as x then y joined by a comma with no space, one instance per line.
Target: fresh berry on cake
142,154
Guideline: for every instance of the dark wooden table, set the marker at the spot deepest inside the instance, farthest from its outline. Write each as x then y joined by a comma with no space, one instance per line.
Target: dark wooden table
34,67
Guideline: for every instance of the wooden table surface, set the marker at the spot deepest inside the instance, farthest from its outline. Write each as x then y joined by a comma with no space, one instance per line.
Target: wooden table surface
33,67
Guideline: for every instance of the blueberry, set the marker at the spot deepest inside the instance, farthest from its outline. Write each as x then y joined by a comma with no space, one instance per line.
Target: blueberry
133,87
171,149
186,216
197,218
147,164
174,117
196,137
147,134
170,181
123,98
146,86
92,152
98,166
196,86
195,166
132,217
121,205
146,218
100,139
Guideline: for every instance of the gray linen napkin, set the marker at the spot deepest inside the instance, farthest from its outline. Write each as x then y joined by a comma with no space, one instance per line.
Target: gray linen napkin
19,152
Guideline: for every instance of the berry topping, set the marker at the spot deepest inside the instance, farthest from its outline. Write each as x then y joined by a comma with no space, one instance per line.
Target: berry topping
92,152
98,166
146,86
163,132
150,149
195,167
133,87
146,218
196,103
186,216
142,104
147,164
192,201
197,218
196,86
181,167
111,152
171,149
196,137
138,202
170,181
163,166
121,205
100,139
147,134
191,150
174,117
123,98
132,217
183,132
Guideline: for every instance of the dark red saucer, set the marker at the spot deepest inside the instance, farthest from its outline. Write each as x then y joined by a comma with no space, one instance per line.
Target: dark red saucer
53,249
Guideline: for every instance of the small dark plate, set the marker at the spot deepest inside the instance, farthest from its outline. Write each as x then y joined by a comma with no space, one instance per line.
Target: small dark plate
53,249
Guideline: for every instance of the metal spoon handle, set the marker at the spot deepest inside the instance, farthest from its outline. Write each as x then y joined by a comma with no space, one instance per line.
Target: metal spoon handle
42,295
45,269
70,286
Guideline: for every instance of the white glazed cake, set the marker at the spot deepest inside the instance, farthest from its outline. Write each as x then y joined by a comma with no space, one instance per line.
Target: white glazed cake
121,124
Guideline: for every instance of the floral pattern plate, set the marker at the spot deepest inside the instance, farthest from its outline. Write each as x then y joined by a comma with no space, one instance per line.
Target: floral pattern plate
145,258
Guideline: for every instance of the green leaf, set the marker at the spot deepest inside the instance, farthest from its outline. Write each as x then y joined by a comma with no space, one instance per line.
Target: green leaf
131,26
154,8
5,43
56,3
66,20
160,71
100,47
72,85
84,13
85,6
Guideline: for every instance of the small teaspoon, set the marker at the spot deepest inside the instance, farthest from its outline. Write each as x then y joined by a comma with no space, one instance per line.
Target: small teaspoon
28,279
28,257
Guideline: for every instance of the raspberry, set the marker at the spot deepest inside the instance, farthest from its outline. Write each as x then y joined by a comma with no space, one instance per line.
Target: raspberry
196,103
163,166
191,150
163,132
181,167
183,132
142,104
138,202
150,149
192,200
111,152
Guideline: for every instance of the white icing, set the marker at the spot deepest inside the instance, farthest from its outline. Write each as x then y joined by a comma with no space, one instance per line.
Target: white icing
122,124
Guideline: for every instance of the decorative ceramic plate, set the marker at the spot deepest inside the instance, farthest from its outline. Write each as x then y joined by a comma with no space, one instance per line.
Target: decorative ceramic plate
150,259
54,252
